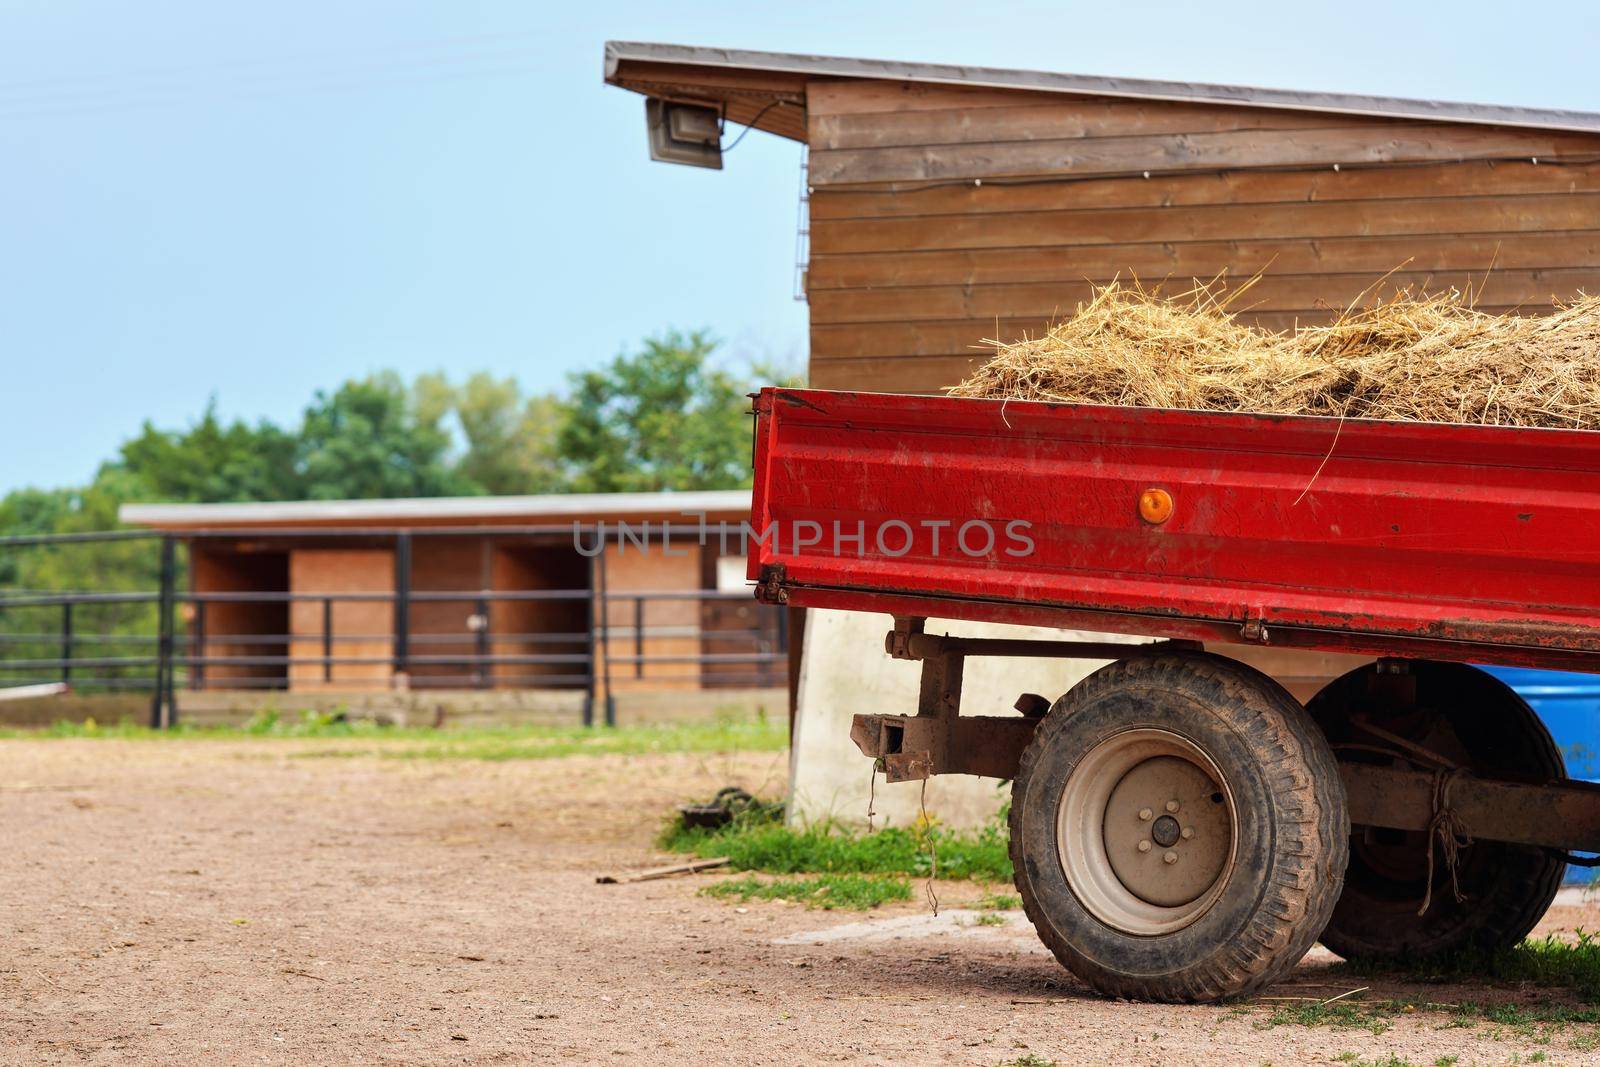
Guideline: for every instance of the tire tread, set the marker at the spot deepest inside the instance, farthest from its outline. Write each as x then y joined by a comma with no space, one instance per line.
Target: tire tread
1313,833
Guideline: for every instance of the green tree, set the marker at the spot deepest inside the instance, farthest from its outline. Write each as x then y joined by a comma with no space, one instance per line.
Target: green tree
509,437
101,567
211,462
374,438
664,417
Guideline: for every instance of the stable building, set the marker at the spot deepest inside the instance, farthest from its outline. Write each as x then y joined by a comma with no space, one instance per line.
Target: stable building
595,592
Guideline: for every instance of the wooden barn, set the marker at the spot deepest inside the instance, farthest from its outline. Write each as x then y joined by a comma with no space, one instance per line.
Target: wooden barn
949,205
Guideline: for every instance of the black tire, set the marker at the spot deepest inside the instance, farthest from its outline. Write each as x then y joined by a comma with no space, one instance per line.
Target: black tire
1476,721
1289,835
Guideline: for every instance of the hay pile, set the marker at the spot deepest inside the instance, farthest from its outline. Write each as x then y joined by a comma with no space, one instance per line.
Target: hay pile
1425,358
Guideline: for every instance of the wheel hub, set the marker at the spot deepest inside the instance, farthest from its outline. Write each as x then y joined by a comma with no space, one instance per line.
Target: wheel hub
1145,830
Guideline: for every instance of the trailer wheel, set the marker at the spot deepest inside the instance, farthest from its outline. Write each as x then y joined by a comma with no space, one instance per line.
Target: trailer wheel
1178,829
1476,721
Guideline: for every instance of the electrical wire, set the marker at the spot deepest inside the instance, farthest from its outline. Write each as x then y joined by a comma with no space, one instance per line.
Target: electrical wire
404,64
725,149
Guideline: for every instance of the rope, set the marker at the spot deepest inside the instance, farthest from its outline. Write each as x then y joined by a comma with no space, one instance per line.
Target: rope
872,793
933,850
1445,826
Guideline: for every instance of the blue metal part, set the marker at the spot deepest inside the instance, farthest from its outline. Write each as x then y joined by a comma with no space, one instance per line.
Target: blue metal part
1569,704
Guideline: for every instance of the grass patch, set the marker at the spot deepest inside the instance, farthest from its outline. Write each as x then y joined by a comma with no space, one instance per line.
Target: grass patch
853,892
998,902
760,842
1534,1022
1372,1017
556,742
1545,961
365,738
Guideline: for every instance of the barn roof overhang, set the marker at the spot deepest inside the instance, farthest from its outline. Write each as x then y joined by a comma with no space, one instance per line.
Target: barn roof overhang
768,89
460,512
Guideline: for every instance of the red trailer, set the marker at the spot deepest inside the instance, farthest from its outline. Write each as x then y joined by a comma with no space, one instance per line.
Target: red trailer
1182,828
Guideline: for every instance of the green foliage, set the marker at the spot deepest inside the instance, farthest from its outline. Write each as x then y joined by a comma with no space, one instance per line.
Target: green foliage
763,844
1546,961
1535,1021
365,738
270,722
371,439
998,902
113,567
510,438
211,462
664,417
854,892
528,743
1341,1013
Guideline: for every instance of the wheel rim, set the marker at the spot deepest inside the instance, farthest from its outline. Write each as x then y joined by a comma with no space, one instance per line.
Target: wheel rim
1145,831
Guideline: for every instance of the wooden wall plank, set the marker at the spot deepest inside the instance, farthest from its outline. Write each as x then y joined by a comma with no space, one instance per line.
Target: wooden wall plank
1166,153
1184,190
925,375
1054,119
1273,292
1245,256
854,97
912,340
1337,218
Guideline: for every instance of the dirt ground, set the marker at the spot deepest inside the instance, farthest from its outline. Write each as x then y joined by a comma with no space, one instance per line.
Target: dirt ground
238,902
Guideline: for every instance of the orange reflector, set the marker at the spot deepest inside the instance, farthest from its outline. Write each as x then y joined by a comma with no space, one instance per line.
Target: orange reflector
1155,506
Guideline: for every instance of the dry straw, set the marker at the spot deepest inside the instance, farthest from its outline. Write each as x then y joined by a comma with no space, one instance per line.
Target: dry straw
1424,358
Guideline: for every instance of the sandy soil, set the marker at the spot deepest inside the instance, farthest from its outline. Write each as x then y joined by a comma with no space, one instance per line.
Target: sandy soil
236,902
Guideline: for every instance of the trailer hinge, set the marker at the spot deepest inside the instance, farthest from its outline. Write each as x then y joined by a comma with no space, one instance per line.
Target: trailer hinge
1255,627
771,588
897,642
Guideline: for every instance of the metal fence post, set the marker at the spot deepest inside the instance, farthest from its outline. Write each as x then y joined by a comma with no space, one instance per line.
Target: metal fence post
605,644
481,642
161,710
589,649
197,653
66,642
638,637
327,639
402,605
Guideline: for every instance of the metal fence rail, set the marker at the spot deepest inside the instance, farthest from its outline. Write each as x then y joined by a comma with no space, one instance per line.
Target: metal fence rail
182,639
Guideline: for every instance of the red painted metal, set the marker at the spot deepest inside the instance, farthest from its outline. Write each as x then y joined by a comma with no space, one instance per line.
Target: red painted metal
1385,538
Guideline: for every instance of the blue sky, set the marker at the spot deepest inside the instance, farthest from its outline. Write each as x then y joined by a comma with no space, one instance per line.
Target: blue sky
254,201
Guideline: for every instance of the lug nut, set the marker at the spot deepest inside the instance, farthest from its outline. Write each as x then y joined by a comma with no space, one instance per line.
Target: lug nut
1171,857
1144,846
1188,832
1172,806
1145,814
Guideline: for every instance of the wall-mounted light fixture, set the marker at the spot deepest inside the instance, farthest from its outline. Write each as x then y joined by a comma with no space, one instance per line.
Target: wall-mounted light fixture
690,134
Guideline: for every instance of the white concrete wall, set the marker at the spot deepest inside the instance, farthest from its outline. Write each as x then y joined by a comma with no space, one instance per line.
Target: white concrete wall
845,672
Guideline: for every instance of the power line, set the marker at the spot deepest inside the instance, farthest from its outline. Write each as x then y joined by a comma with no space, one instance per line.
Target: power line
283,61
331,72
